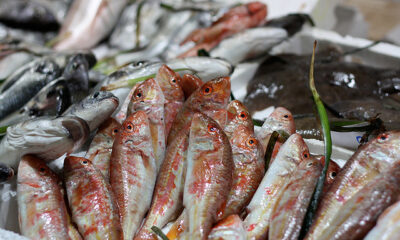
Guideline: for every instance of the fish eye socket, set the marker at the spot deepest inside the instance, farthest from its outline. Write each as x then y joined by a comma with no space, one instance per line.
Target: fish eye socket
212,128
333,174
129,127
306,155
139,95
243,115
173,80
42,169
207,90
251,142
286,116
84,162
96,94
383,137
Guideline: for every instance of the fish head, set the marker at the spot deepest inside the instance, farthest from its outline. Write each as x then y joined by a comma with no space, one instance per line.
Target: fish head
148,91
111,127
134,129
212,95
46,67
34,170
333,169
257,10
238,114
95,108
77,70
169,83
295,149
245,143
384,147
310,165
73,164
205,130
280,120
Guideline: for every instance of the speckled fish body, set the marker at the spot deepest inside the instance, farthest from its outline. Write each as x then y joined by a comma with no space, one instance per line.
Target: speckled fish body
168,194
212,96
133,171
190,83
280,120
237,114
91,200
248,171
94,109
231,228
388,225
367,162
99,152
209,175
359,214
173,93
290,209
292,152
42,211
148,97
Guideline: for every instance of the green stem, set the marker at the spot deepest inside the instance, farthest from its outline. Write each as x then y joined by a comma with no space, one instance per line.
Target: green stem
158,231
3,129
323,116
270,148
138,12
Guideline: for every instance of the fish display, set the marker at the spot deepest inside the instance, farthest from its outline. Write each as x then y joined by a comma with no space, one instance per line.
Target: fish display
138,119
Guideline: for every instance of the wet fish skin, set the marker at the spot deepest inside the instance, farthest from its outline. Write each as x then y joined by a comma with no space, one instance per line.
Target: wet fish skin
359,214
248,171
331,173
88,22
46,138
280,120
234,21
99,152
367,162
230,228
190,83
42,211
133,171
387,227
248,44
91,200
290,209
290,155
213,95
237,114
209,175
27,86
168,194
148,97
94,109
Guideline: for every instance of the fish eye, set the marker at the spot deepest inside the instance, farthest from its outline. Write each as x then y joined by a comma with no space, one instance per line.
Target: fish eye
383,137
173,80
309,164
84,162
207,90
139,95
333,174
129,127
212,128
306,154
114,131
96,94
251,142
42,169
243,115
286,116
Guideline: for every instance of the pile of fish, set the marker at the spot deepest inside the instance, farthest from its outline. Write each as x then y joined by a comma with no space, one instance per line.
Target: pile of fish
121,124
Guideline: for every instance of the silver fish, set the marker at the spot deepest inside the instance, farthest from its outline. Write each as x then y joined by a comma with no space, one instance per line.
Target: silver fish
46,138
94,109
88,22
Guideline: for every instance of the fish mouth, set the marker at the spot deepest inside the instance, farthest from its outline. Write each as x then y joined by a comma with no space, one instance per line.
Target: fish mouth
78,130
